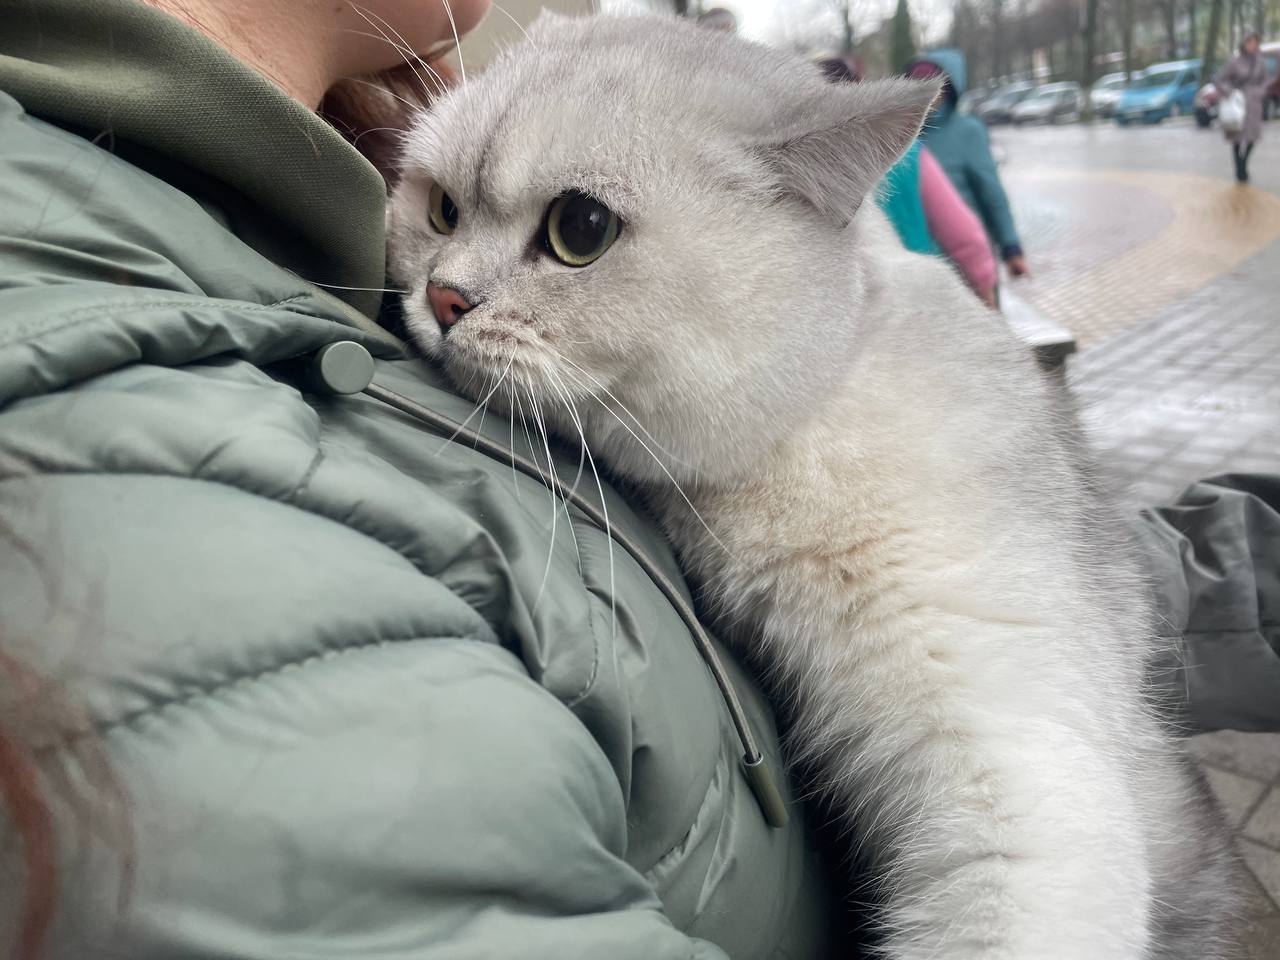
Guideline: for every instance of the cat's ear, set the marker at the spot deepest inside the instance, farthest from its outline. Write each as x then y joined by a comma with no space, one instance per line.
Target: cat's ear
832,156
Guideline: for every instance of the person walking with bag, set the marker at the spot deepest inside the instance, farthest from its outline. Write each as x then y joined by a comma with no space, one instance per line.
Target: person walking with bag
1242,81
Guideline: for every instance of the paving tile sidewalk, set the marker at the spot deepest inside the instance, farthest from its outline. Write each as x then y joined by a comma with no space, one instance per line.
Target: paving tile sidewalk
1243,770
1193,392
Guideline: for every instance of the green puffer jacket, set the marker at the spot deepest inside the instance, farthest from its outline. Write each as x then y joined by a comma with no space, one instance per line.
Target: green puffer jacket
303,626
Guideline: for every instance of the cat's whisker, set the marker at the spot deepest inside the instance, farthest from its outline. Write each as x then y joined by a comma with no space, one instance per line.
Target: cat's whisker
405,48
479,431
457,41
511,432
661,466
407,53
608,530
551,482
541,428
623,407
573,413
524,425
483,402
364,133
503,10
382,89
558,385
339,286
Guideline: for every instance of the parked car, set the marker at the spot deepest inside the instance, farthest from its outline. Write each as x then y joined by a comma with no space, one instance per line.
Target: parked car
1159,92
1052,103
1208,96
999,107
1105,94
972,100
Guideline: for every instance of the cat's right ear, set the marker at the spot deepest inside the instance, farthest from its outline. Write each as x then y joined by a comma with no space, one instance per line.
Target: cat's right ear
832,155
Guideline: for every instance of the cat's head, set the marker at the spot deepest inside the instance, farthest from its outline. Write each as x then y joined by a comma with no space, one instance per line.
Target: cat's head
633,212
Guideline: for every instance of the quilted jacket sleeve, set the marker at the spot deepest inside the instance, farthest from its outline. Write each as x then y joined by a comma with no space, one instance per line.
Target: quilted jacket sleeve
956,228
328,751
1215,560
303,658
313,639
984,182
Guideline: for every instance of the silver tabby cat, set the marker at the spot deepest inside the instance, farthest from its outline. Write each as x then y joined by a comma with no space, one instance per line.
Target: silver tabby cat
660,238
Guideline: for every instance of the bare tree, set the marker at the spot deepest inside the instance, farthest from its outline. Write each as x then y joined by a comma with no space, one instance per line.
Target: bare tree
968,34
1169,15
1000,58
1089,29
1126,36
902,45
1005,37
1211,41
841,12
808,25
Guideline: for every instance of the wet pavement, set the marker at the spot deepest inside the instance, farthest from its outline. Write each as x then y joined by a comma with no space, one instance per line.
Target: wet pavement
1168,273
1120,224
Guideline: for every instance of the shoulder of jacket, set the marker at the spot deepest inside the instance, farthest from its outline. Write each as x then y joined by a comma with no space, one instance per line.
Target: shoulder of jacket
152,241
971,126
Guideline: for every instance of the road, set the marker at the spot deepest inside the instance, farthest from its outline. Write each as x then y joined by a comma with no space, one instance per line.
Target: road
1123,222
1168,272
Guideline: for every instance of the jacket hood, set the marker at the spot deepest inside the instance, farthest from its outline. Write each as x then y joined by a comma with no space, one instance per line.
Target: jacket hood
294,189
949,61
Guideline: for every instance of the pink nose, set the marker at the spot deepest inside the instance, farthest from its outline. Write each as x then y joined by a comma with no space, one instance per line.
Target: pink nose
447,304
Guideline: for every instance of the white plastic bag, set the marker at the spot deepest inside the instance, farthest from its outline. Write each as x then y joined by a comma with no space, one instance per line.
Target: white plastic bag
1231,112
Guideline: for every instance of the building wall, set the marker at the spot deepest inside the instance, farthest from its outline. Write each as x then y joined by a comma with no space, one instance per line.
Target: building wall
497,31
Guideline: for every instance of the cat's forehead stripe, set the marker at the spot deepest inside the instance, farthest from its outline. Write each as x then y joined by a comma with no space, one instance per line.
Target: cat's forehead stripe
484,188
497,150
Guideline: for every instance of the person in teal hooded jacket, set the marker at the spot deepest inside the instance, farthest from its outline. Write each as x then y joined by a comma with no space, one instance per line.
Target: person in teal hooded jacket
960,144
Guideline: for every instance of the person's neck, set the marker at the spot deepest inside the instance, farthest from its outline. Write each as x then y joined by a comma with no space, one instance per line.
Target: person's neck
294,45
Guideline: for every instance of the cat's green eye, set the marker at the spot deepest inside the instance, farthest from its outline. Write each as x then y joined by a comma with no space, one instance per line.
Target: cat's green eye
444,212
579,229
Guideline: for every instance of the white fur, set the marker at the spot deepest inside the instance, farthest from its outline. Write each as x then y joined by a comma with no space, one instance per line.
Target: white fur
886,504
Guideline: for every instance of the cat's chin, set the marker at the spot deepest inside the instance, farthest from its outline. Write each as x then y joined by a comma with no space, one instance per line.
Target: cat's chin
468,372
465,355
482,364
485,356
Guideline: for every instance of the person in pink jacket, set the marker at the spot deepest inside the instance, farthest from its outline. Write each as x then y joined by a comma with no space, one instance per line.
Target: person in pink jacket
929,214
956,229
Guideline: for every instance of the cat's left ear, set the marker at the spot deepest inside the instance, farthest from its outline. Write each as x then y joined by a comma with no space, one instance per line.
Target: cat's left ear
832,155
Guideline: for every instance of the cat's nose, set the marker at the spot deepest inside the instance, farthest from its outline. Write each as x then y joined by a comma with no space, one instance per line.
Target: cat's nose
447,304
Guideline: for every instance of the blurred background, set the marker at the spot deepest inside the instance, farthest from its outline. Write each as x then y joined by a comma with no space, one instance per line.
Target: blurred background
1152,271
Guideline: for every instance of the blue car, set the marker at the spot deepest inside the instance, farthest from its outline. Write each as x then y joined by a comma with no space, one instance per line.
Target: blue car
1164,90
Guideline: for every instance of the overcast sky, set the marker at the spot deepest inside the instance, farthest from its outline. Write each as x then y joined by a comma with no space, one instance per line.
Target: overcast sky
759,18
772,20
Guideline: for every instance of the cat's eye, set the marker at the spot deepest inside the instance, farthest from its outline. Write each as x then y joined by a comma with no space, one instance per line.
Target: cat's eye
444,212
579,229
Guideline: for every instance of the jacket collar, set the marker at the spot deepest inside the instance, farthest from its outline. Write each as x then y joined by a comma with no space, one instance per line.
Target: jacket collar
124,73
